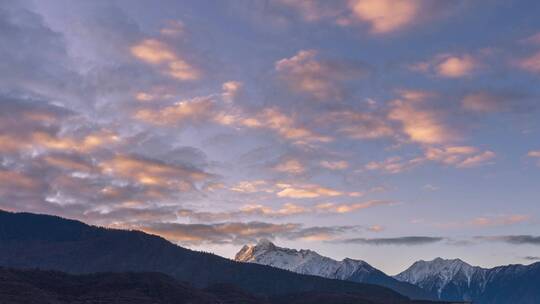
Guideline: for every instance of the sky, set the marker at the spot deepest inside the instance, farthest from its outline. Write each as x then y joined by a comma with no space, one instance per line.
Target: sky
388,131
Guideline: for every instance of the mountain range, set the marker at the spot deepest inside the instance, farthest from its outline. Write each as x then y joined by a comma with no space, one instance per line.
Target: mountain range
30,241
448,280
53,287
456,280
312,263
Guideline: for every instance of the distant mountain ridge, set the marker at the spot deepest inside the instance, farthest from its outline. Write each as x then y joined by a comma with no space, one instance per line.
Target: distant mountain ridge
310,262
53,243
457,280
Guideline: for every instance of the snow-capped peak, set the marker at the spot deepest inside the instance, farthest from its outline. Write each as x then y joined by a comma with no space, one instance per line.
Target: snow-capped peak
446,270
301,261
438,273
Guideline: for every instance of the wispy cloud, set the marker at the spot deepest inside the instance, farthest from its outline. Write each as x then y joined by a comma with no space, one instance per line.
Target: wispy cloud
500,220
513,239
292,166
334,165
242,233
398,241
530,63
305,73
160,54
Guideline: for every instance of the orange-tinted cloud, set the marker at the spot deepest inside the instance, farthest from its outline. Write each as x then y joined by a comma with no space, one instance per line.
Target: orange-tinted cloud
456,156
301,191
158,53
285,126
66,162
231,90
41,139
384,16
240,233
347,208
456,66
251,186
504,220
534,153
193,110
421,124
292,166
305,73
448,65
16,181
394,165
360,125
334,165
152,173
459,156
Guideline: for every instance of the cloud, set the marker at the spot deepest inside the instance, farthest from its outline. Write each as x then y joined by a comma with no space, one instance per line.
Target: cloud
321,80
241,233
190,110
448,65
419,123
312,10
69,162
11,180
456,156
530,63
301,191
160,54
153,172
379,16
456,66
492,102
393,165
513,239
249,210
504,220
459,156
384,16
334,165
535,153
231,90
292,166
359,125
285,126
285,210
173,28
252,186
347,208
533,39
397,241
532,258
376,228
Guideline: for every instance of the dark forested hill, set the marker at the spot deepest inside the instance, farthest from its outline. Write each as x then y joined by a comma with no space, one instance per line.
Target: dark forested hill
53,243
51,287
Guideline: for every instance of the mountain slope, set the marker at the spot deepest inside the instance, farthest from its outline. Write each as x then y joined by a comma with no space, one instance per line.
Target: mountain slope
53,287
310,262
457,280
49,242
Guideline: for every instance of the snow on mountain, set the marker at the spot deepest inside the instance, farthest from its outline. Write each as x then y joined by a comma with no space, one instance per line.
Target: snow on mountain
301,261
455,280
449,279
311,263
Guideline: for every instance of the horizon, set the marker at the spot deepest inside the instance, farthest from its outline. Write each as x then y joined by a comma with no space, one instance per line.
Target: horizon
357,129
